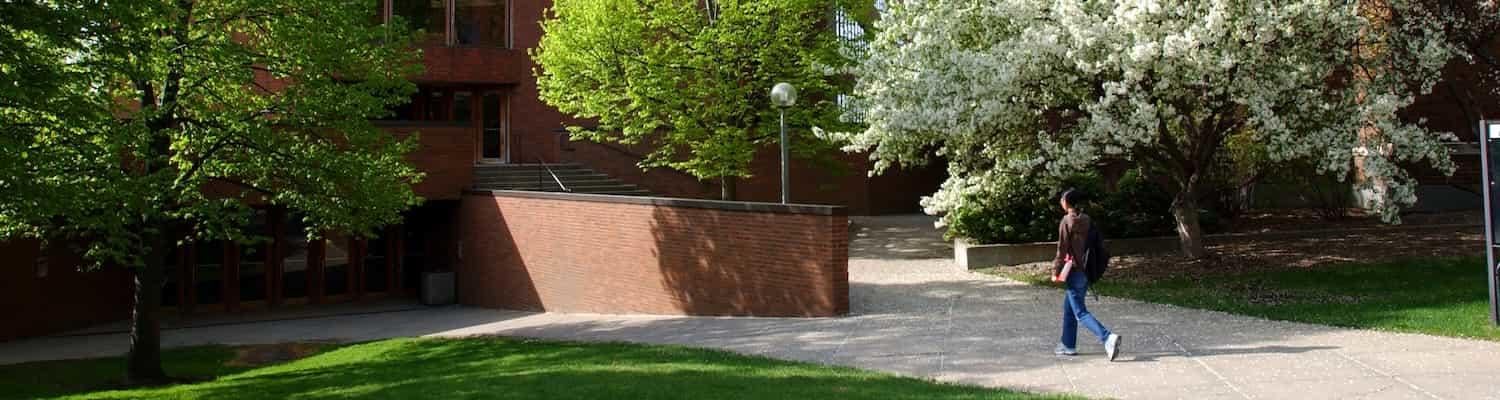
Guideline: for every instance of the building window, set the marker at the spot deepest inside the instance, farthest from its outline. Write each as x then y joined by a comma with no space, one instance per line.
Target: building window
294,258
253,258
454,22
41,264
429,16
172,279
210,276
482,23
463,106
337,273
377,251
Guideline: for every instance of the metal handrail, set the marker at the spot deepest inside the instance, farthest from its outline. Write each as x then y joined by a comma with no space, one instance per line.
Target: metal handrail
560,184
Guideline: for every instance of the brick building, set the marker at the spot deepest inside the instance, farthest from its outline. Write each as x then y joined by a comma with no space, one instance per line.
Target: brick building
481,126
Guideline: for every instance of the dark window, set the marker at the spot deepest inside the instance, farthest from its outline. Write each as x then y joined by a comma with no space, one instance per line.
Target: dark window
376,252
337,259
253,258
436,103
210,280
172,274
492,126
482,23
463,106
425,15
294,258
41,263
414,260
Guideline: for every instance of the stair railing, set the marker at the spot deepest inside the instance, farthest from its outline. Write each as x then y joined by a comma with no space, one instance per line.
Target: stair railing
548,168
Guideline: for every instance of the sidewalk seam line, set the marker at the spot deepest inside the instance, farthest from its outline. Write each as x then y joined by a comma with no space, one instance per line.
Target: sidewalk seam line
947,332
1389,375
1211,370
840,348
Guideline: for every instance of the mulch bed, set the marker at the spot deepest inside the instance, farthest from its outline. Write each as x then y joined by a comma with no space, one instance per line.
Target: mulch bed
1369,243
258,355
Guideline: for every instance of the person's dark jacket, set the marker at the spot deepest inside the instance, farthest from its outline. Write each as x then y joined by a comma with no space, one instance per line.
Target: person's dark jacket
1072,235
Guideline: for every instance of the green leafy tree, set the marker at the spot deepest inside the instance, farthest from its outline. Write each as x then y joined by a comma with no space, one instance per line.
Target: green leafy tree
130,127
693,78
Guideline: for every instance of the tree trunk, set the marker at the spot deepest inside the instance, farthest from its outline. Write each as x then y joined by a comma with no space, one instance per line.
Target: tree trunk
1189,232
728,188
143,363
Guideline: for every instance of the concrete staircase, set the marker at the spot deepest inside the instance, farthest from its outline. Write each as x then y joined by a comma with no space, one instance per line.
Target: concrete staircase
535,177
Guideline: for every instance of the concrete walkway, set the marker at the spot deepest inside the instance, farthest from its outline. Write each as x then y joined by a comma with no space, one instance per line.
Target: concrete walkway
918,314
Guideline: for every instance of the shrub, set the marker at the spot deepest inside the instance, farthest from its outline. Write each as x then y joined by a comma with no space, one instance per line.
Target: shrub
1024,211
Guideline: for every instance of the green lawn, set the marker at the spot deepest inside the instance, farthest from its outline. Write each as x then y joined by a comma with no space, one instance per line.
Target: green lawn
488,368
1447,297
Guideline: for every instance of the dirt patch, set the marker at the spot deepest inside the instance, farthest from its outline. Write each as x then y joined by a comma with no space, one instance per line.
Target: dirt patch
1302,220
1237,255
258,355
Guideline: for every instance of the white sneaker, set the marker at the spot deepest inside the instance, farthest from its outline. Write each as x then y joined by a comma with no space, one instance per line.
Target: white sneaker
1112,346
1064,351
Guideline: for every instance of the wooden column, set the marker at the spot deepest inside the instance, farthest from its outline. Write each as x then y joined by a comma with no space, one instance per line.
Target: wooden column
191,277
185,279
399,255
392,240
315,284
274,268
230,277
356,267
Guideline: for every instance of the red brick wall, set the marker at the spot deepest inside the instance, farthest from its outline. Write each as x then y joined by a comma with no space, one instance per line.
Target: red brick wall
619,161
900,190
447,156
460,64
895,192
532,123
622,255
65,299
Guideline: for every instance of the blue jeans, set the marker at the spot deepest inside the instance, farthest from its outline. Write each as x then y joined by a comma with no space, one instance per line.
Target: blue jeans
1075,312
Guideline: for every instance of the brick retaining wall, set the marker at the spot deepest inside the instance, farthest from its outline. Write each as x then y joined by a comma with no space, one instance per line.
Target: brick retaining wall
634,255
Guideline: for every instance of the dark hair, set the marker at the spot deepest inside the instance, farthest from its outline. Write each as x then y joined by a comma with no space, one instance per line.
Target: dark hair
1074,197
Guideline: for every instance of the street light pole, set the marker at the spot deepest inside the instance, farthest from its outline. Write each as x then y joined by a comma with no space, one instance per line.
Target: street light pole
785,176
783,95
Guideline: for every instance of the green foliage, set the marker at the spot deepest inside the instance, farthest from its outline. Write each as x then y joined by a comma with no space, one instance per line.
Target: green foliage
696,88
506,368
1138,208
1015,211
132,124
1023,211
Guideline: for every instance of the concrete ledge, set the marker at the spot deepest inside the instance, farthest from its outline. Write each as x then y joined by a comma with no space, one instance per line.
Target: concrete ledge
973,256
672,202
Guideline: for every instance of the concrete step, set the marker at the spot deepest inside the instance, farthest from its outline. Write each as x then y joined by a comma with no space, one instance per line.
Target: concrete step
543,175
575,188
529,171
567,180
534,177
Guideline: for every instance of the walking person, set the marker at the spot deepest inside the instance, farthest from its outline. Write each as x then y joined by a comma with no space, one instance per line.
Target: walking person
1068,268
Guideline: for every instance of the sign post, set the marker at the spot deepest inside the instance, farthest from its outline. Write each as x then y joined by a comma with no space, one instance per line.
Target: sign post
1488,142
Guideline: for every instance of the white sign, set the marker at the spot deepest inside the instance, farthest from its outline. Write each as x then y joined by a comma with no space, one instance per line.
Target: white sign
1494,131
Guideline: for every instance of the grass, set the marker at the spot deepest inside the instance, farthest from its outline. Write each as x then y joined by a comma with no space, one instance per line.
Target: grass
1446,297
488,368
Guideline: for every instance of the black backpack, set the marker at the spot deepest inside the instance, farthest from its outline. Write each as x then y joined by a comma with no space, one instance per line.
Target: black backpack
1095,256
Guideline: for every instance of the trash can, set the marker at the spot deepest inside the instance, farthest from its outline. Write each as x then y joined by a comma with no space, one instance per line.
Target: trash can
437,288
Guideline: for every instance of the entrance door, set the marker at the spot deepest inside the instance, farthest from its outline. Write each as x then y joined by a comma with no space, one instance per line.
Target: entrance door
494,142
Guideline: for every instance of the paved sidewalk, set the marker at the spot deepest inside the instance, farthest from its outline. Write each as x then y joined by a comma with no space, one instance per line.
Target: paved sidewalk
918,314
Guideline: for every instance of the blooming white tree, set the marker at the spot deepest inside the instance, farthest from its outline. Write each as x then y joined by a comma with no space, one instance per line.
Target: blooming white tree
1003,88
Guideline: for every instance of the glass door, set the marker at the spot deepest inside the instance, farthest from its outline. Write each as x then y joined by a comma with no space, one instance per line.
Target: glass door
494,143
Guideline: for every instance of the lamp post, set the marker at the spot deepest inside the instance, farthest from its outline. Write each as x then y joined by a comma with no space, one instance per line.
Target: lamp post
783,95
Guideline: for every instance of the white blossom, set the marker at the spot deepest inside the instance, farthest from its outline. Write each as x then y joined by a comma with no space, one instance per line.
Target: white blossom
1000,87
